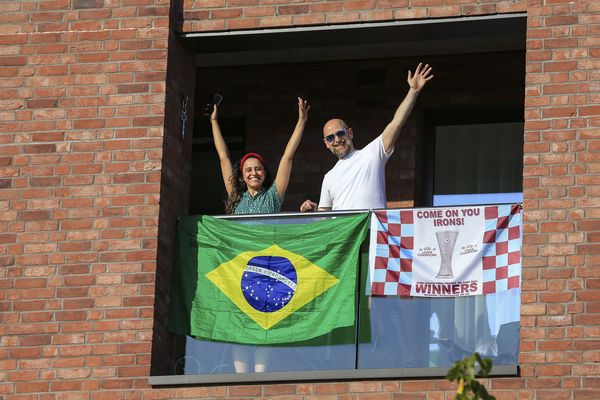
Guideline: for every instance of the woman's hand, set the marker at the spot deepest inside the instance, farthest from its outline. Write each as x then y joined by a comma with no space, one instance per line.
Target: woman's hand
303,108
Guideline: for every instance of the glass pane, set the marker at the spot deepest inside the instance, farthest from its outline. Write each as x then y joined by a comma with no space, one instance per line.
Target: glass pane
397,335
479,158
436,332
334,351
393,332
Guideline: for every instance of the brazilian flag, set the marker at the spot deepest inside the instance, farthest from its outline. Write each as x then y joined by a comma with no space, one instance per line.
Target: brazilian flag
265,284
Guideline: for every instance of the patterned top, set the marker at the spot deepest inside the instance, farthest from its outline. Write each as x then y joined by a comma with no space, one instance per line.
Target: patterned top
265,202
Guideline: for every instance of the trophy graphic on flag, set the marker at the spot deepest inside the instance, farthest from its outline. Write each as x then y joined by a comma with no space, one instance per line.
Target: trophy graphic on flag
446,241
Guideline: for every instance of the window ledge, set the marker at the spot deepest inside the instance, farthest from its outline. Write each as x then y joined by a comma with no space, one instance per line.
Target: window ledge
399,373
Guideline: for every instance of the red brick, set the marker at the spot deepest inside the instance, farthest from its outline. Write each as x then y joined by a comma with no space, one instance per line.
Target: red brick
34,215
63,386
22,376
325,7
31,387
39,148
353,5
10,61
561,20
25,352
331,388
226,13
261,11
42,103
243,23
345,17
557,227
588,249
133,88
249,391
292,9
590,394
35,340
279,389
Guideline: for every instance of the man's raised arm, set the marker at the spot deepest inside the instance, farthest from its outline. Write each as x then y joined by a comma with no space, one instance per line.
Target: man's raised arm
416,82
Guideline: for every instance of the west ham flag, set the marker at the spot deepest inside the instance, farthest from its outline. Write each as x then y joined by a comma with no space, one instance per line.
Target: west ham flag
445,252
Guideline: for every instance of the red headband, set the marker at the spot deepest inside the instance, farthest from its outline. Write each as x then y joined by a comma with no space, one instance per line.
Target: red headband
248,155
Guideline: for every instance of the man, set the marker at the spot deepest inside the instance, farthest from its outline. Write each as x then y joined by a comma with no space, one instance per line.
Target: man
357,181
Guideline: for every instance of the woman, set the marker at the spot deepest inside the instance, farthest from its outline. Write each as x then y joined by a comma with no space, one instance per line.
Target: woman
250,189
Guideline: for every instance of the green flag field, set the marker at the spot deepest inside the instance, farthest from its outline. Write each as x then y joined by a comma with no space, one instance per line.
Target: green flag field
265,284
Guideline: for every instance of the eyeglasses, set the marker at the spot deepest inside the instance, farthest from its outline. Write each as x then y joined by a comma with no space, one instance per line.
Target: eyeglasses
330,138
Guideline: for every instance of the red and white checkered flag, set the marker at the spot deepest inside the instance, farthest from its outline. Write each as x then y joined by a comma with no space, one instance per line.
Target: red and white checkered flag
457,251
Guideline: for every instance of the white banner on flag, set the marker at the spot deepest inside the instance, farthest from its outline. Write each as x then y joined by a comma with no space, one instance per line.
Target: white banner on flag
447,252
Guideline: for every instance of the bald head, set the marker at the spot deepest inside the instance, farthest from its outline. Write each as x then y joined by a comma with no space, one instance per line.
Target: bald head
334,125
338,130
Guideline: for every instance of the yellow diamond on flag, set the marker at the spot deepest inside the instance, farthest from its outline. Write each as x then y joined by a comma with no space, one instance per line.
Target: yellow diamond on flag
289,282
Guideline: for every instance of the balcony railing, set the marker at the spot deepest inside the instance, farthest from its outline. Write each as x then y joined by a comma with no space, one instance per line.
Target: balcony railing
392,337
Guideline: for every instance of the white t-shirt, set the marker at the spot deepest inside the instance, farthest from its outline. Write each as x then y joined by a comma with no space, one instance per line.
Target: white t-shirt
357,181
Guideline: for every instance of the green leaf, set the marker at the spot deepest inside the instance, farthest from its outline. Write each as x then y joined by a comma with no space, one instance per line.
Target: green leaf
466,370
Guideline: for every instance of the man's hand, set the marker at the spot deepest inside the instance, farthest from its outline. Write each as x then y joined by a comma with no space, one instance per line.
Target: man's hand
308,206
420,78
215,114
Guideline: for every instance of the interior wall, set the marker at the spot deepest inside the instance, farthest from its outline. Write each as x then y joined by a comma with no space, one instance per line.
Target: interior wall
365,94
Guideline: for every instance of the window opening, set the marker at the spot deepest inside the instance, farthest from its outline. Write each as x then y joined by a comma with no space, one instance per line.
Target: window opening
428,326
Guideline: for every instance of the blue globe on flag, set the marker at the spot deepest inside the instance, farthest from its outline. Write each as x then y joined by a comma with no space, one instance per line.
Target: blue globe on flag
269,282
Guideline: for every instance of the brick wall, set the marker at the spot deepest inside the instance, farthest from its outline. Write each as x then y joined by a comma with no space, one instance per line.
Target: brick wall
89,149
216,15
560,334
82,107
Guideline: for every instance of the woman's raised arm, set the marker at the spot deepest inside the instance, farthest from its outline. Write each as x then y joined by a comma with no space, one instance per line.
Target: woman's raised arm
285,165
222,150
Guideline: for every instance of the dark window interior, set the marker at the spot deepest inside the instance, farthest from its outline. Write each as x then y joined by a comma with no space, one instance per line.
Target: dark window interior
478,158
473,151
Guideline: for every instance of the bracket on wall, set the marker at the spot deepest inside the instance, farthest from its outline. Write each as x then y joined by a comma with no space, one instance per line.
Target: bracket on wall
184,116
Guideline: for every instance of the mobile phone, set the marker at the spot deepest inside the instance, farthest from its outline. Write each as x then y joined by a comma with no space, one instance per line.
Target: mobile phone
216,100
